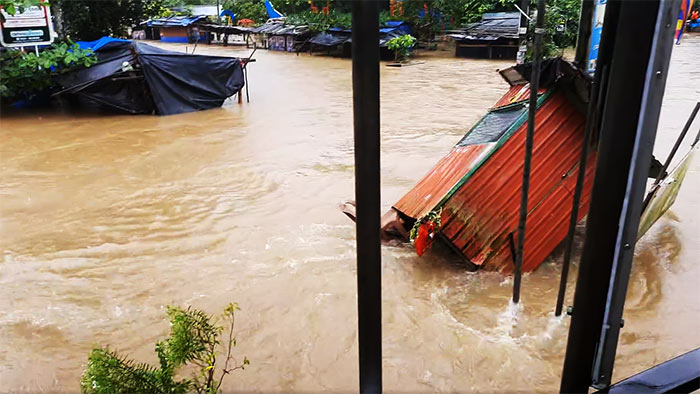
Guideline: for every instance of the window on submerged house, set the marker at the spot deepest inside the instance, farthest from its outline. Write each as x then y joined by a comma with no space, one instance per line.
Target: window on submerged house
493,125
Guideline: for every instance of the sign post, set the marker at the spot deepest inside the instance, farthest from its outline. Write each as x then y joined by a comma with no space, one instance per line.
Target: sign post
31,27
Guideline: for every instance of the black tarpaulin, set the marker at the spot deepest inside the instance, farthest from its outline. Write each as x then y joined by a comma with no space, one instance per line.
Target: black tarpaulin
140,78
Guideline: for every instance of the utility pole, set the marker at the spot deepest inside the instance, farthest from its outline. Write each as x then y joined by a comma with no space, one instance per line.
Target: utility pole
522,31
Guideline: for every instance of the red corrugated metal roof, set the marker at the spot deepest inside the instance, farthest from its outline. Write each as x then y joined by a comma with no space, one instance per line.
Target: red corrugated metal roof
435,185
439,180
479,216
514,94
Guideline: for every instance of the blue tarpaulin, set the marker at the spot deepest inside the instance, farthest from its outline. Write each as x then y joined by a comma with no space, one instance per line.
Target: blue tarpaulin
100,43
271,11
228,13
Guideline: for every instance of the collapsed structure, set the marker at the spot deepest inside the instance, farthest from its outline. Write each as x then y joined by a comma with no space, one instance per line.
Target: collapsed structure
470,198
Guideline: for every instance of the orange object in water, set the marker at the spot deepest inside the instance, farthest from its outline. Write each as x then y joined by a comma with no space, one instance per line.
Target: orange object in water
424,240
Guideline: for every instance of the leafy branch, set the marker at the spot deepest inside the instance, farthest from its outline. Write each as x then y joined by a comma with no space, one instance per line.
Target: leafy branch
194,339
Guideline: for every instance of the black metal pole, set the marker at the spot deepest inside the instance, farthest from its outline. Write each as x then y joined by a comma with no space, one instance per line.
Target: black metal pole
667,163
534,88
573,219
634,54
365,83
585,25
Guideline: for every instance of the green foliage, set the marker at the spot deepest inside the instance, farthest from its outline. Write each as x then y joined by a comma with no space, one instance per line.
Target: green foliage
433,216
320,21
12,6
401,46
474,9
24,74
289,7
247,9
194,340
91,19
561,14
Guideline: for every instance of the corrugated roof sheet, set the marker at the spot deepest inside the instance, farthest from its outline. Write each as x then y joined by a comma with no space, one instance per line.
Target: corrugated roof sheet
492,26
438,182
478,217
435,185
175,21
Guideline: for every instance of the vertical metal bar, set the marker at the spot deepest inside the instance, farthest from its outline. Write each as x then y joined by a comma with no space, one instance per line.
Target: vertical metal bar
534,88
634,71
365,82
585,24
573,219
667,163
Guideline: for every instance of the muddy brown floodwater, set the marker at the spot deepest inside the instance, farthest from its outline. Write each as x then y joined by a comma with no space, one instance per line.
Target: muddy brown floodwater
105,220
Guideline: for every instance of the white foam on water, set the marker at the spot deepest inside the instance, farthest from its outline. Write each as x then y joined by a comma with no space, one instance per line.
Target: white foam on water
508,319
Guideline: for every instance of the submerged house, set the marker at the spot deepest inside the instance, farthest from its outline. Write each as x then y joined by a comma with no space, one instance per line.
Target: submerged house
494,37
138,78
278,36
475,188
179,29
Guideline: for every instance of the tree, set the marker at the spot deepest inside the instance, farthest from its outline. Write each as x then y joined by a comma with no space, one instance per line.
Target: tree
247,9
194,340
474,9
91,19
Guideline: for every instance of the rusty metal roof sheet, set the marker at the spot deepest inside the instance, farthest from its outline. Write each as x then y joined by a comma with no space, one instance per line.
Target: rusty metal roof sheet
476,144
484,209
435,185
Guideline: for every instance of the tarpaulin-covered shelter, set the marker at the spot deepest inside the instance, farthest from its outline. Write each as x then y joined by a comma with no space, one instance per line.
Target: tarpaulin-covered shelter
340,38
180,29
494,37
277,35
139,78
475,189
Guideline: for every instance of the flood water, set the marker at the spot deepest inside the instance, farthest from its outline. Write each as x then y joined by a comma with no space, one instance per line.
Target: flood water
105,220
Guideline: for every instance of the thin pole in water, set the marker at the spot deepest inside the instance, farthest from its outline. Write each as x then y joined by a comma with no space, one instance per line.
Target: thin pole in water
534,88
573,219
365,85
